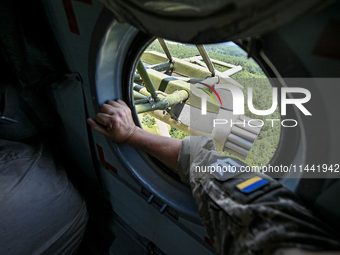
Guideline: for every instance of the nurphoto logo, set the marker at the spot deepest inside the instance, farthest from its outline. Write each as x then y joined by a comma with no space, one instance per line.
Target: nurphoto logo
238,103
238,99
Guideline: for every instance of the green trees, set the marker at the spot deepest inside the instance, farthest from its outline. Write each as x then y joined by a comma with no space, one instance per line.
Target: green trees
148,120
149,124
176,133
227,53
176,50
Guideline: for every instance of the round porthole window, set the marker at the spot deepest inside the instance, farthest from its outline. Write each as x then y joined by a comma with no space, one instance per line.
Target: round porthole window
173,70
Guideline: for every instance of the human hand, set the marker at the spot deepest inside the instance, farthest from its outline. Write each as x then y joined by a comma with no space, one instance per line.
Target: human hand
114,121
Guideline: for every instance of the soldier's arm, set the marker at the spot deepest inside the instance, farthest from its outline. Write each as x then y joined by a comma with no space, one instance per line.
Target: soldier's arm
115,122
249,212
272,223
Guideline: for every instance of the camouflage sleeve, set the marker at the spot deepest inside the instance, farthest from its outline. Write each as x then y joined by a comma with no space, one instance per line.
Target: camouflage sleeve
248,213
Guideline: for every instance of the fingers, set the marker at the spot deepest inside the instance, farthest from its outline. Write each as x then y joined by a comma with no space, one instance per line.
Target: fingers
105,119
110,107
117,103
114,121
96,127
121,102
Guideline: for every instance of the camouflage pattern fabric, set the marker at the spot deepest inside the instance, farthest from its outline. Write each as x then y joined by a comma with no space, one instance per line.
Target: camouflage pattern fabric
261,222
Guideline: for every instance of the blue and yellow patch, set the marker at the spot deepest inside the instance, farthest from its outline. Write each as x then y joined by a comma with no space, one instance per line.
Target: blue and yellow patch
252,184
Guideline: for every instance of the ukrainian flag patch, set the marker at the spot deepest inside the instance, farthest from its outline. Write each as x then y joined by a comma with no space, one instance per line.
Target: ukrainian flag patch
252,184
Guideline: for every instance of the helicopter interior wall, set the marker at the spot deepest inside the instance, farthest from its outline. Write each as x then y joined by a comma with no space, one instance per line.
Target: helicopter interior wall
133,167
154,215
304,38
33,66
75,49
295,67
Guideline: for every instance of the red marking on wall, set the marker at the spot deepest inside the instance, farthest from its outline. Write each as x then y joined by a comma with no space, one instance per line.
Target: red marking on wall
71,16
102,159
208,241
328,42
